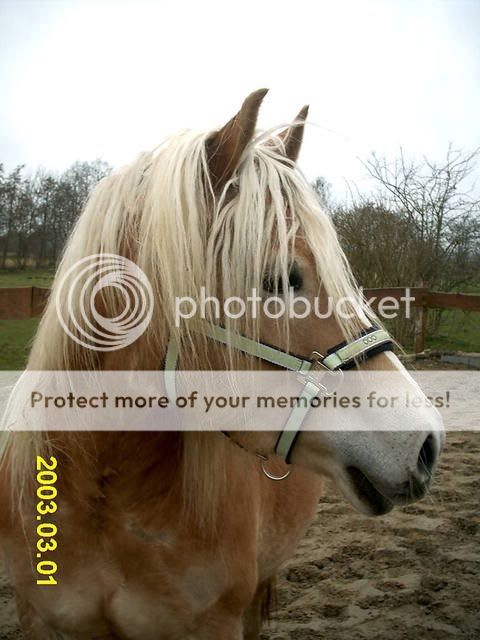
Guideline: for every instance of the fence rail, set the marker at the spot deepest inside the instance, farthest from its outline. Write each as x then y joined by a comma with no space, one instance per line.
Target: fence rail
29,302
424,299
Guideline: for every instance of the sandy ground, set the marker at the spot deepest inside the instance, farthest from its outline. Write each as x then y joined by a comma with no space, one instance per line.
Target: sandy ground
412,574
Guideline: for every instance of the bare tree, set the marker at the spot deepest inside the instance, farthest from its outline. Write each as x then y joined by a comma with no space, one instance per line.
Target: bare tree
10,208
37,213
379,244
438,202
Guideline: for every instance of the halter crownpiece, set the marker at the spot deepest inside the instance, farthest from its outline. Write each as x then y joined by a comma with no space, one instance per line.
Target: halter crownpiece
311,372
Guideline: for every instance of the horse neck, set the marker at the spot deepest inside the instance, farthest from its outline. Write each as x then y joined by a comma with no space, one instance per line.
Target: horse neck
128,460
190,473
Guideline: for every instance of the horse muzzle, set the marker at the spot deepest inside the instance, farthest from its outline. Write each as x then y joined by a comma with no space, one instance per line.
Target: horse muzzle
374,489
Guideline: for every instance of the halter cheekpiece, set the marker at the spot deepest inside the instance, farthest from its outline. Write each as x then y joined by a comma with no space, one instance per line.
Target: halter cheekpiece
311,373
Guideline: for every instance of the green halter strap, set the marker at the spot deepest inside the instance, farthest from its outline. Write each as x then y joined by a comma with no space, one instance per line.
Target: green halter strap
339,358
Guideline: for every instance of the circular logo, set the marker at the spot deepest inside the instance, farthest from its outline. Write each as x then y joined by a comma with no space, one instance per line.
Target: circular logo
79,289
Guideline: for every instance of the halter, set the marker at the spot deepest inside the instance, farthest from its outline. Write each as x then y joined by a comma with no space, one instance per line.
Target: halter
311,372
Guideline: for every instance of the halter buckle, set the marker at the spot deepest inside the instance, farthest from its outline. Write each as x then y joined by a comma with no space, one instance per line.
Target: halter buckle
319,374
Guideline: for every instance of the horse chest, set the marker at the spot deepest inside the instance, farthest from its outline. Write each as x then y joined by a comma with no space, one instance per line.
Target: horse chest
144,584
87,609
132,575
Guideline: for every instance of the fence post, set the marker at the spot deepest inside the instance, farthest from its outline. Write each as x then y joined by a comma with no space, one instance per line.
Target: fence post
420,324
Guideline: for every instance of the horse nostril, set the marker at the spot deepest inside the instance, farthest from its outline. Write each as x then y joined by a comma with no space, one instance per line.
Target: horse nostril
427,456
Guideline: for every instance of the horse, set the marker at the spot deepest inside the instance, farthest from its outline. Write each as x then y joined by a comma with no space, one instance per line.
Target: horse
163,535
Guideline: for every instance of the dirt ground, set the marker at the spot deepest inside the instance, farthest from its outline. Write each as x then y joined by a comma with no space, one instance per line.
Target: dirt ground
412,574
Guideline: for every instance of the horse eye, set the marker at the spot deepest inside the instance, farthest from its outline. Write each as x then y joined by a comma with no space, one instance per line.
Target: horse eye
295,282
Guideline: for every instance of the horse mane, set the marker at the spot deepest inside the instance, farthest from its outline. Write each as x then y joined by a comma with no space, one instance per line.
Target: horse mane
163,213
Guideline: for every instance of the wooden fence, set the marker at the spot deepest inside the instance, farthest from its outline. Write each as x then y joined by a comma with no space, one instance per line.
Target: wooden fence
22,302
424,299
29,302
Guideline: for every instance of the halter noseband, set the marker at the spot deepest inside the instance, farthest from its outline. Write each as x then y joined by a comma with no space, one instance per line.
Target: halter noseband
339,358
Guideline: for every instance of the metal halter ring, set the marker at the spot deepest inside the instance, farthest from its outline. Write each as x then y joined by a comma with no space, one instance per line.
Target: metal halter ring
319,374
269,475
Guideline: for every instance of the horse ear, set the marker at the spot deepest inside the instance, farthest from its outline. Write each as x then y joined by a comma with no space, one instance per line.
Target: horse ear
225,147
293,136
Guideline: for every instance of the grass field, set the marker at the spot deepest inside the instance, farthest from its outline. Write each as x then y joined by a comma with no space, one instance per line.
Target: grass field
457,331
25,278
15,340
16,335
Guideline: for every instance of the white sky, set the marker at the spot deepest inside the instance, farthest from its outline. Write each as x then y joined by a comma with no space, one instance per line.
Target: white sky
81,79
